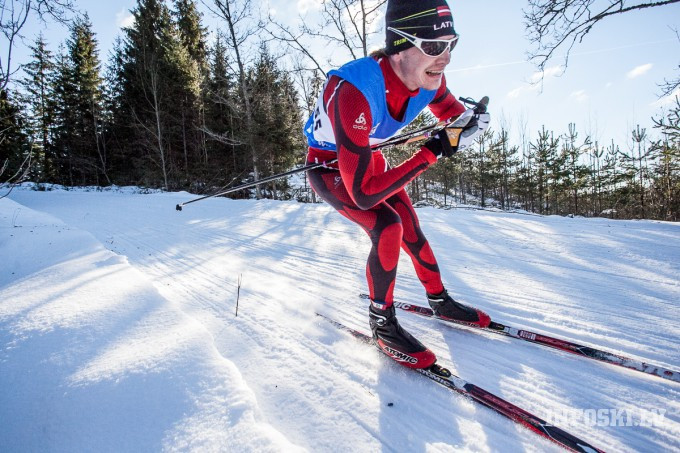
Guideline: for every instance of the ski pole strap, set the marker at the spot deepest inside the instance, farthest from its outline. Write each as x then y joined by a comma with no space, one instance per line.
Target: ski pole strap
479,106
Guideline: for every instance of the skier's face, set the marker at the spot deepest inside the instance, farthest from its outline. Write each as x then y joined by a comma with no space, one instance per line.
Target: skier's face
418,70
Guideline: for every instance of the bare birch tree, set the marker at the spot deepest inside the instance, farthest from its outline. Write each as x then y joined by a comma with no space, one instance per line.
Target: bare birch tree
14,14
554,24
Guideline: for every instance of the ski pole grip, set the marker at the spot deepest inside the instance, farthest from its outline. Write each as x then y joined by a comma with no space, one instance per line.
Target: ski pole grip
481,105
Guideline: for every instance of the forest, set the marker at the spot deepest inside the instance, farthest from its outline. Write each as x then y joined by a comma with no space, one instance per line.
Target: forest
166,109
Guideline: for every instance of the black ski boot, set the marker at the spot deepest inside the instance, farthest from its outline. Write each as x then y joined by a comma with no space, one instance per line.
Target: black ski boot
396,342
445,307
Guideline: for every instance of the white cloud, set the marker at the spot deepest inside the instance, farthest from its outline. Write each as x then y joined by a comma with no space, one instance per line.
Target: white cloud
579,96
639,70
305,5
667,101
552,71
536,80
125,19
514,94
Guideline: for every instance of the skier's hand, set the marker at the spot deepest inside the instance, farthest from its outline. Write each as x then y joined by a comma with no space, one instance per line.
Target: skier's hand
440,144
475,125
459,135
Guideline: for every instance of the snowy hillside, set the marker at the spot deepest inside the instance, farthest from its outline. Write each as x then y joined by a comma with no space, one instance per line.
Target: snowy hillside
118,329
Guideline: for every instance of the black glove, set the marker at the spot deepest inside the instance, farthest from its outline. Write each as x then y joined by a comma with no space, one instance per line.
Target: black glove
440,144
459,135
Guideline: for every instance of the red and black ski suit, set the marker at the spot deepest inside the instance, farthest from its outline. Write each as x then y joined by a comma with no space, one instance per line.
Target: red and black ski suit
367,192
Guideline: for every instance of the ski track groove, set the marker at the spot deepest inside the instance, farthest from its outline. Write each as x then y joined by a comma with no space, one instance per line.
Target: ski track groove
203,285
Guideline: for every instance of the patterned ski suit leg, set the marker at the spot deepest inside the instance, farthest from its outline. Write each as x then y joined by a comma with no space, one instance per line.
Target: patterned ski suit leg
391,225
415,244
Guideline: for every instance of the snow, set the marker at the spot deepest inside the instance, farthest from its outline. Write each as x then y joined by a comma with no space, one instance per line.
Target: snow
118,328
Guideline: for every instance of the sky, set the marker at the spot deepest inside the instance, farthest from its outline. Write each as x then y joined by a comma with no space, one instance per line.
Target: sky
610,84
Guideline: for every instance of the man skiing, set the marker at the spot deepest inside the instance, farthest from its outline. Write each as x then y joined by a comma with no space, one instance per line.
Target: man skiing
364,103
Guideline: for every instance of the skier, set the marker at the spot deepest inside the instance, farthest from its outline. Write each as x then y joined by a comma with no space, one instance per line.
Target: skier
366,102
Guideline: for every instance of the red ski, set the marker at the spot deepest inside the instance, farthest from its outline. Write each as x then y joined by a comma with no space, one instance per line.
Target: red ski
557,343
452,382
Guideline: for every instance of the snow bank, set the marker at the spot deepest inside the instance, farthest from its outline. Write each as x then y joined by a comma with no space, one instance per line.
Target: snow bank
93,358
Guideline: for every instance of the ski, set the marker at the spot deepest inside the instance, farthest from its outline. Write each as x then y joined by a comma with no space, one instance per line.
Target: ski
456,384
552,342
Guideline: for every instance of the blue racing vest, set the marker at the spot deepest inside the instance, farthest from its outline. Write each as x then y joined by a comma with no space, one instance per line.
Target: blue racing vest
366,75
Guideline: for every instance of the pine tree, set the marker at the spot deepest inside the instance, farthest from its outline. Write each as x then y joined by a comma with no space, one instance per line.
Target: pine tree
596,153
14,152
576,173
115,130
146,84
87,103
276,115
237,16
223,119
547,169
79,109
192,33
667,169
64,88
38,101
161,84
506,162
484,170
188,55
636,171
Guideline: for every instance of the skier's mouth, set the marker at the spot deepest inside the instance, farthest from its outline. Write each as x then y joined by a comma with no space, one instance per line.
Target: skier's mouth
434,73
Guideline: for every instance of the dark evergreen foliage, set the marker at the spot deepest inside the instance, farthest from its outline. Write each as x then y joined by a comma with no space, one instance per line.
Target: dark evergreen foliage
14,144
169,111
39,109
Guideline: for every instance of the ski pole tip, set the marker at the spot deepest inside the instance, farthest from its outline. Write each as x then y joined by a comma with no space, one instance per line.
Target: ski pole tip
178,207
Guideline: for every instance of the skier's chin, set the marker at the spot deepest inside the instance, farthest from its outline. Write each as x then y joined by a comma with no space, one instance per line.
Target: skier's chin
432,81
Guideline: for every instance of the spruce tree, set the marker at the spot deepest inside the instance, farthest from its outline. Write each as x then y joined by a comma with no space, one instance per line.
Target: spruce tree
65,162
276,117
38,101
146,86
88,104
14,152
667,169
223,119
576,174
162,85
114,131
78,97
193,35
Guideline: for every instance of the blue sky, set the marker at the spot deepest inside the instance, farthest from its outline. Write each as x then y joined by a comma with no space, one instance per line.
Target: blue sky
609,86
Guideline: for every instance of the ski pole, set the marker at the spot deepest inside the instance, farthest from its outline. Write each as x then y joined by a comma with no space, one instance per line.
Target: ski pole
404,138
259,181
409,137
413,136
429,131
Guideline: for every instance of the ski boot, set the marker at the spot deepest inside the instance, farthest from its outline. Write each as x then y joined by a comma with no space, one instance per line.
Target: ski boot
445,307
396,342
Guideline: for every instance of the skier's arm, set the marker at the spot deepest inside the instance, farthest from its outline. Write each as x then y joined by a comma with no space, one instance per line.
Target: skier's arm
350,115
445,106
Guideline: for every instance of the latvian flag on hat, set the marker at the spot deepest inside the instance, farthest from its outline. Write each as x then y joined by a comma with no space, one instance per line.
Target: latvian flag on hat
443,10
